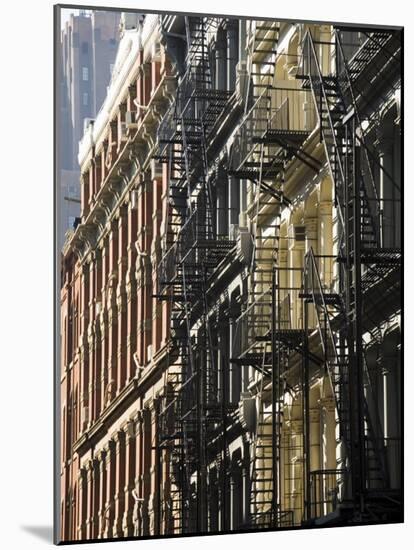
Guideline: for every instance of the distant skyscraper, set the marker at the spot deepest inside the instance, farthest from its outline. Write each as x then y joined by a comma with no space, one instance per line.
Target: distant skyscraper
89,43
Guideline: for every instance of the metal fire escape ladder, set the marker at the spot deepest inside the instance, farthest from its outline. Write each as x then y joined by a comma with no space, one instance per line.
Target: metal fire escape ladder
262,50
373,250
330,313
334,350
193,410
329,113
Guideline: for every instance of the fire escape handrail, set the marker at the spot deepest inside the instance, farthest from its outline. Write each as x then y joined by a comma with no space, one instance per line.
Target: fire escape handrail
360,138
311,49
315,272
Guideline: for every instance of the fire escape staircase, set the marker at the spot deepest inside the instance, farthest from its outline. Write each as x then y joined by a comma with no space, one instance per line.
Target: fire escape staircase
331,320
357,206
191,251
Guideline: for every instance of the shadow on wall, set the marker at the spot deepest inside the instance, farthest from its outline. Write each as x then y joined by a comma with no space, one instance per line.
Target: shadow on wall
43,532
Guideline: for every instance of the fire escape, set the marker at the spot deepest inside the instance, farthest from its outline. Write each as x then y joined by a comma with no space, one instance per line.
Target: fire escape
342,95
194,410
270,138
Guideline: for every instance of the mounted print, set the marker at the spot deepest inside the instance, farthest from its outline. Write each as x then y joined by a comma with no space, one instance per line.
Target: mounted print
228,254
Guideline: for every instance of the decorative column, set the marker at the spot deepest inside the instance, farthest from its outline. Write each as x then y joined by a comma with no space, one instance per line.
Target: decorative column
326,243
311,225
146,472
392,404
221,66
155,260
85,186
325,50
241,68
131,293
386,221
84,349
119,497
155,66
103,317
139,475
140,267
102,492
112,313
234,200
297,468
283,275
130,472
121,299
89,534
232,26
91,342
315,444
95,499
245,484
165,237
153,502
104,170
147,270
82,501
121,133
328,445
296,257
328,451
96,308
112,144
110,489
97,179
147,81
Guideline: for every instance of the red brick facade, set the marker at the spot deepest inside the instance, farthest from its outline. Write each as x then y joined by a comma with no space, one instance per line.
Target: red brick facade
113,330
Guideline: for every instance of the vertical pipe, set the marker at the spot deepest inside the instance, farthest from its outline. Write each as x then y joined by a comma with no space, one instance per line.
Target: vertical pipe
275,398
158,473
232,53
305,403
224,439
358,364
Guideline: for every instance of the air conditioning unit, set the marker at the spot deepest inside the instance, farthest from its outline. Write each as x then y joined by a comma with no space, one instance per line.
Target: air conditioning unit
86,123
156,169
243,219
156,51
297,236
244,245
122,131
85,414
233,231
149,352
247,412
134,200
130,120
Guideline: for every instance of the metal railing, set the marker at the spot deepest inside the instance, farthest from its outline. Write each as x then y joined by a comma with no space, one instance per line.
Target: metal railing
325,489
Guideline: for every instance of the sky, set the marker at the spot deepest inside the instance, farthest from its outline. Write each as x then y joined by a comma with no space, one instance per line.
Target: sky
65,15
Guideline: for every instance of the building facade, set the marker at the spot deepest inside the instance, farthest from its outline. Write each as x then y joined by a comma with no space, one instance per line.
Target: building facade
231,302
88,47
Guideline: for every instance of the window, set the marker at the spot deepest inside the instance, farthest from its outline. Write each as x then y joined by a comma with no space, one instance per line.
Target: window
300,232
72,190
85,73
85,47
85,99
